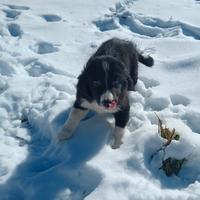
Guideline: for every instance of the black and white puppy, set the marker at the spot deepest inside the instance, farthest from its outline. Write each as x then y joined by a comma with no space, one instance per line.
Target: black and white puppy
103,86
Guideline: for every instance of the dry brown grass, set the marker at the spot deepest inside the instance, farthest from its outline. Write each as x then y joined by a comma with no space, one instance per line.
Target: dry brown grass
166,133
170,165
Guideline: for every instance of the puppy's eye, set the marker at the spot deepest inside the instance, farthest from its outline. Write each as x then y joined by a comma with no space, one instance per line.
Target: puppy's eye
97,83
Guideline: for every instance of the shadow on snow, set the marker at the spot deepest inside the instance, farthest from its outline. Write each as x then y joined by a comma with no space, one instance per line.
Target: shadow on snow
50,170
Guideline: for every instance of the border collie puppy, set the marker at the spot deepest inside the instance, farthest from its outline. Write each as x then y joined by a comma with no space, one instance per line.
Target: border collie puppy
103,86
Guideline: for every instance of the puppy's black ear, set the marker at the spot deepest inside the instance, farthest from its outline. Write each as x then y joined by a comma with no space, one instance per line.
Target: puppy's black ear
84,88
130,83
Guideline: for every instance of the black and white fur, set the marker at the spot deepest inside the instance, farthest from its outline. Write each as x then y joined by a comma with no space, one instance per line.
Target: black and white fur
103,86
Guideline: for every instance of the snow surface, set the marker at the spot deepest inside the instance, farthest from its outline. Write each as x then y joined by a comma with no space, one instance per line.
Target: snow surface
43,47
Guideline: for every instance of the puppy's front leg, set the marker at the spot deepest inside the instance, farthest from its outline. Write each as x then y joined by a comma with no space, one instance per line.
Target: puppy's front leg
121,119
118,134
72,122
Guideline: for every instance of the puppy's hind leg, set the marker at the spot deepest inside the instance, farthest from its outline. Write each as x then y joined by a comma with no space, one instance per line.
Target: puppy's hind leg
72,122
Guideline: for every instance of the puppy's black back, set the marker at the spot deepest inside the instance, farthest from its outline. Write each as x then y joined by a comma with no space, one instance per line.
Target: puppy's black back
122,50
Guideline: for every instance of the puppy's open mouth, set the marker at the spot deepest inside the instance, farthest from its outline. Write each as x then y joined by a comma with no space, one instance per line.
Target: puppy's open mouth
110,104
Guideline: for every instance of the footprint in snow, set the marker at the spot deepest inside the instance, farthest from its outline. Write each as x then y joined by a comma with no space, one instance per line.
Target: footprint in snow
12,14
149,83
16,7
6,69
15,30
45,48
106,24
36,69
156,103
192,119
51,18
145,26
177,99
155,27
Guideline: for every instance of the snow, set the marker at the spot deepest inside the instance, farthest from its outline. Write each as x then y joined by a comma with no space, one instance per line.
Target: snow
43,48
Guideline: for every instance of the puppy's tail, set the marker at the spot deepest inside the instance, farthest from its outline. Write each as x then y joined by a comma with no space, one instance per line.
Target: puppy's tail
146,60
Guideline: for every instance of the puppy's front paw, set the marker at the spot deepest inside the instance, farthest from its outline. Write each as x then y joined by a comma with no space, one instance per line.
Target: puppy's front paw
65,134
117,136
116,144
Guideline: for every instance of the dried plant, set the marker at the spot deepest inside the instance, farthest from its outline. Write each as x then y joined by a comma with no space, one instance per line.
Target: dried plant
170,165
166,133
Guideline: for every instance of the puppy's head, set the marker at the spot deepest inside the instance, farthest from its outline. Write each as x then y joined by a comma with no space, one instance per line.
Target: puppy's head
106,81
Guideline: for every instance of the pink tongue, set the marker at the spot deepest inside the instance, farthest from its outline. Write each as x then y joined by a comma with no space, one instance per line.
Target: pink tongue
113,104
